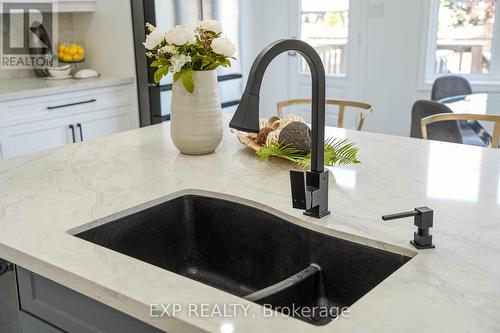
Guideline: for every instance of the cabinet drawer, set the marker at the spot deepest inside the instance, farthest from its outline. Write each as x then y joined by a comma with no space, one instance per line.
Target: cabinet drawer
30,324
59,105
70,310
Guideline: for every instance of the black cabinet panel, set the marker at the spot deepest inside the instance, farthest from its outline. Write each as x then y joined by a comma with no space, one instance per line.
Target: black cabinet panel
71,311
30,324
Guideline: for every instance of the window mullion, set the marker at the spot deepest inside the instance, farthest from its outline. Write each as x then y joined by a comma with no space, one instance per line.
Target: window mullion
495,50
432,38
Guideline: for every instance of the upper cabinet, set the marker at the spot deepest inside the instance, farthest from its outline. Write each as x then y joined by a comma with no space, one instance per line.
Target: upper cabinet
69,6
72,6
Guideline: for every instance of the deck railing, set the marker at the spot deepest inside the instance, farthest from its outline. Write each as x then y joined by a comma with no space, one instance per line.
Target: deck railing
469,55
334,58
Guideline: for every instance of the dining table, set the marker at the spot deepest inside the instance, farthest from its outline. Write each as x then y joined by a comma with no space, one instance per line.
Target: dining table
476,104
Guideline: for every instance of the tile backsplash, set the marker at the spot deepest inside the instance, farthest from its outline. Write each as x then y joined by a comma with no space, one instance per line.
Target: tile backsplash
66,32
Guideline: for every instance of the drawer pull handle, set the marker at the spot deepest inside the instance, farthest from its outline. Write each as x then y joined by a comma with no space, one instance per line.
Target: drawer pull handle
5,266
72,132
71,104
81,131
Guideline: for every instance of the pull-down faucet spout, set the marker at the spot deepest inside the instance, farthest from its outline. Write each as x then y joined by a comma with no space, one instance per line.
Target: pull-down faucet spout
310,195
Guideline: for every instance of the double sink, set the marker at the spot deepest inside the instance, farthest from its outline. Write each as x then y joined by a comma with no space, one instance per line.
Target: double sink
249,253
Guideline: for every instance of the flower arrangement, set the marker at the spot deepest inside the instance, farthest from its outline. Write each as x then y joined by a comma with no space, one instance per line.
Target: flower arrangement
184,49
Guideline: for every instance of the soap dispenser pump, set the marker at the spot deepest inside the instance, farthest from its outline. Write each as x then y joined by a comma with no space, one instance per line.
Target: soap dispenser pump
423,219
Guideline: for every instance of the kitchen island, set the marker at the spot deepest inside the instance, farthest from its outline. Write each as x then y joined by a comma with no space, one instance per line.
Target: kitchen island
45,197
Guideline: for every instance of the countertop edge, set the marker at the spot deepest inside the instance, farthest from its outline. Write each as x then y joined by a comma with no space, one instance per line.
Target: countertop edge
100,82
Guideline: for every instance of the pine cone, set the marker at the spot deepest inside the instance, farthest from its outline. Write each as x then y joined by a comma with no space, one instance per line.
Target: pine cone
262,136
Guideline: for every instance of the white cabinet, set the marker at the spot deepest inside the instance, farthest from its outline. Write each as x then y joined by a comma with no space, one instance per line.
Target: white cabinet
50,121
96,124
76,6
30,137
69,6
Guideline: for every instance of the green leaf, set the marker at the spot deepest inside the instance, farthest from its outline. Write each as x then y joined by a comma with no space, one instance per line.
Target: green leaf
337,152
276,149
212,66
340,152
224,62
188,81
178,75
160,72
155,63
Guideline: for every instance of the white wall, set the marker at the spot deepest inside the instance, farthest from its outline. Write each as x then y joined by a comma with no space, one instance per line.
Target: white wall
262,22
108,36
392,49
109,40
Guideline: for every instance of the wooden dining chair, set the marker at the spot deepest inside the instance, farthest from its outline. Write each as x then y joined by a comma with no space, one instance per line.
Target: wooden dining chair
495,137
366,109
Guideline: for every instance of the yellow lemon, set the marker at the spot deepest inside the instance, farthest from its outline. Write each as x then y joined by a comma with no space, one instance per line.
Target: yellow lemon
67,57
79,49
60,55
72,50
61,48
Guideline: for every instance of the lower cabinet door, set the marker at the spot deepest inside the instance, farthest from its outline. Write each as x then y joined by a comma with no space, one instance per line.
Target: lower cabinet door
27,138
30,324
71,311
97,124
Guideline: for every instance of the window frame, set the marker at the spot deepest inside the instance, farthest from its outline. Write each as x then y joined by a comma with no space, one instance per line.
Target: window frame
429,42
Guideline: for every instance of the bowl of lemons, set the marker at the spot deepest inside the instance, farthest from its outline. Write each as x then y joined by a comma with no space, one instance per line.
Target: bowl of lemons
70,52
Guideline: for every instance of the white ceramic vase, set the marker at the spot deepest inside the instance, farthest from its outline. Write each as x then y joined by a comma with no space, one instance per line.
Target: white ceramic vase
196,119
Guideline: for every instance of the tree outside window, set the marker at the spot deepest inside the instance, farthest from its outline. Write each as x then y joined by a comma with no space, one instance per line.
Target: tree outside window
465,36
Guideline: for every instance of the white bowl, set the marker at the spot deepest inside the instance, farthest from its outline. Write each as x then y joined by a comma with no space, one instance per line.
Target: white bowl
86,73
59,72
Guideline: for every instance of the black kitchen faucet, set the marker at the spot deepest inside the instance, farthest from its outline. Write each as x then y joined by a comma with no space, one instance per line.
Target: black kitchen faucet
311,193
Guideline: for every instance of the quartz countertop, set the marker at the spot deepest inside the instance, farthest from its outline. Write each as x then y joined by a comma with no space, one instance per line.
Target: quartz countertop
20,88
452,288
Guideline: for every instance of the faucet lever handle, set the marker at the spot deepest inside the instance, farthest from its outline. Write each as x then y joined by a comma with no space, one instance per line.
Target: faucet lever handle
297,179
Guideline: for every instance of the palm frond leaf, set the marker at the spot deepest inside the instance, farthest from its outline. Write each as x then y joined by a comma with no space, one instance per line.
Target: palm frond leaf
337,152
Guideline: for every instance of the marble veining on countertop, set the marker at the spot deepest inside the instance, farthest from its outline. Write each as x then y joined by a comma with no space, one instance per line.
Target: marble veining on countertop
452,288
19,88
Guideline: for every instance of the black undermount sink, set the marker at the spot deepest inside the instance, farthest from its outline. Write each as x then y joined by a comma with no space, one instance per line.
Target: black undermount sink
249,253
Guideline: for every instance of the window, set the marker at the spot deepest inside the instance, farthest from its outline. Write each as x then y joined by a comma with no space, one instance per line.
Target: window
324,25
463,39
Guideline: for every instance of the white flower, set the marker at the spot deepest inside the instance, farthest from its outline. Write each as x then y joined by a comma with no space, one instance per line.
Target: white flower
223,46
179,35
178,61
172,49
150,27
154,39
210,25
